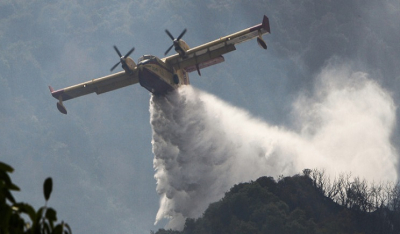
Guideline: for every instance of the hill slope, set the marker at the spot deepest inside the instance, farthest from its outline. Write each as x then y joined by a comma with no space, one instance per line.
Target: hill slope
291,205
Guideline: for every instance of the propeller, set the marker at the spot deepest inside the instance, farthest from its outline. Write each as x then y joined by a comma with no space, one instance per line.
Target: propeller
122,59
175,41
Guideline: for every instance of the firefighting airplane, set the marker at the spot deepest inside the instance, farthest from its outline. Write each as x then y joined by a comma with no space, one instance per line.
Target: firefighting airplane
161,76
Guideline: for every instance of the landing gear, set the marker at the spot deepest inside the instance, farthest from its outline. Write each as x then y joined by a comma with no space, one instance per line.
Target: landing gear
176,79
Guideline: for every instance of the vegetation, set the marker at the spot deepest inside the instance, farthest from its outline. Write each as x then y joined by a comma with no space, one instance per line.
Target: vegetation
42,221
307,203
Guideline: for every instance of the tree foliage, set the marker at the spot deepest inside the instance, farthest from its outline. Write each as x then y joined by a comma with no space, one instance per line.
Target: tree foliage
12,213
307,203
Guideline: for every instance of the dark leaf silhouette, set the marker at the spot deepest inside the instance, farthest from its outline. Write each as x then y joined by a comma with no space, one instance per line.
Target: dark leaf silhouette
47,188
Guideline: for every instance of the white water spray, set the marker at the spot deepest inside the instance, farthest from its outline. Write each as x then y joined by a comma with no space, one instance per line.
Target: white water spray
203,146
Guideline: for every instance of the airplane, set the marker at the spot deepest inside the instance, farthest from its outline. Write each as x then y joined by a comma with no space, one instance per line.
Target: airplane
161,76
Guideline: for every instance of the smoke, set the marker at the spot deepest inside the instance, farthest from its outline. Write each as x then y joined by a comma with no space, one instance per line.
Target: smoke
203,146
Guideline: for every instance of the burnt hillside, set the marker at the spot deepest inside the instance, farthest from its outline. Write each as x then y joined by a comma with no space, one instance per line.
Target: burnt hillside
306,203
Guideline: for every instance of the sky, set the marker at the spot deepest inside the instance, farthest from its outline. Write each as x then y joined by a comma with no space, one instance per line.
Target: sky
324,95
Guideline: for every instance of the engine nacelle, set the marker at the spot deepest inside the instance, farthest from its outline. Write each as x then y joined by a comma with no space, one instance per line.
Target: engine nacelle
261,43
181,48
130,65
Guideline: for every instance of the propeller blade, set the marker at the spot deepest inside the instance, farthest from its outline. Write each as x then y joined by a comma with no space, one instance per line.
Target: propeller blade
129,53
175,42
169,34
115,66
166,52
116,50
121,59
180,36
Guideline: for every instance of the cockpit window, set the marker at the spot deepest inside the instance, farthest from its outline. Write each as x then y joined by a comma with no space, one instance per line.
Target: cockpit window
145,57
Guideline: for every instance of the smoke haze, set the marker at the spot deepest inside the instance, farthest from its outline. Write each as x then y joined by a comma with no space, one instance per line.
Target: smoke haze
203,146
100,155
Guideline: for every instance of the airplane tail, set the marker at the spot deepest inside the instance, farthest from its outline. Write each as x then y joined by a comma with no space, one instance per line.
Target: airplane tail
265,24
265,28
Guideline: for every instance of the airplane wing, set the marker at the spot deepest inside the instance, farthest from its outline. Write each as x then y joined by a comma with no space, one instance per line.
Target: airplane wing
211,53
98,86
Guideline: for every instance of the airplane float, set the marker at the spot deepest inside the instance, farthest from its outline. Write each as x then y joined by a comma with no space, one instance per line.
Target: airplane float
161,76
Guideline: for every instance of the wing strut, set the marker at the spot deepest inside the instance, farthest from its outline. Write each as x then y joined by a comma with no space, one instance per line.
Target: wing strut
61,107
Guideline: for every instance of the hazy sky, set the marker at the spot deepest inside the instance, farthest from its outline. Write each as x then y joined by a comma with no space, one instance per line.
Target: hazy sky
324,94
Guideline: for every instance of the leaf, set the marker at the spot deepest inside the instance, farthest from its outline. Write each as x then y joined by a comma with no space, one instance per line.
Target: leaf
51,215
39,215
68,227
46,228
47,188
27,209
9,196
5,167
4,177
58,229
7,182
13,187
5,214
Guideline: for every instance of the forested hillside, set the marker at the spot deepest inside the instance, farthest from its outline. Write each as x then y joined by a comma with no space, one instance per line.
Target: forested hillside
307,203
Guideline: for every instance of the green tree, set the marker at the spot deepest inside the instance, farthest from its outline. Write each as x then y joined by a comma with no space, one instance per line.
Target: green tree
42,221
310,203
